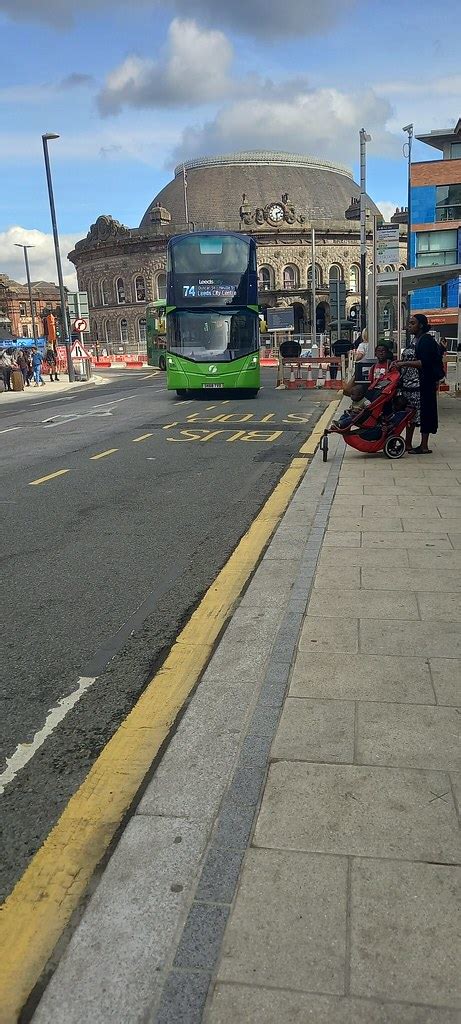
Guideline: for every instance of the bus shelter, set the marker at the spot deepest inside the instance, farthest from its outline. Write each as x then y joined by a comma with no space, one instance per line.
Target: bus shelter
394,288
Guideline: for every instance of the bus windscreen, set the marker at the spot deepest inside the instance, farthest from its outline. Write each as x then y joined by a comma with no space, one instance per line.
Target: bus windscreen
212,335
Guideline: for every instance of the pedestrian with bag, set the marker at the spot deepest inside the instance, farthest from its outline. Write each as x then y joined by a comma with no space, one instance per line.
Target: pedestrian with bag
37,360
51,361
428,361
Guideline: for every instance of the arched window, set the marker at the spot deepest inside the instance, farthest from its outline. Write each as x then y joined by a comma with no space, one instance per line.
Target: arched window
103,292
265,279
290,277
124,331
142,334
354,278
140,288
161,286
335,273
318,275
120,286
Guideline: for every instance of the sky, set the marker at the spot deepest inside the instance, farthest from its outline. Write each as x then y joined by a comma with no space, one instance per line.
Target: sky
133,89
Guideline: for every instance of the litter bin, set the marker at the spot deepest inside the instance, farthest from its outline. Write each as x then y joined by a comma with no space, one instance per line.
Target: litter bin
362,370
17,380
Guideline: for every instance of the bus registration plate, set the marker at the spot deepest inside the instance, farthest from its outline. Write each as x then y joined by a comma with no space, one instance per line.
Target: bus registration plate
209,386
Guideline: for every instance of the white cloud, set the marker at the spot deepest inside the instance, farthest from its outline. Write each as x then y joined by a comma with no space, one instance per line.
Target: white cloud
432,103
387,208
193,70
261,18
321,122
41,258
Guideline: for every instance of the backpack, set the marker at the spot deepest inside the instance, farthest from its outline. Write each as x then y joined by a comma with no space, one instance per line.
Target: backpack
438,369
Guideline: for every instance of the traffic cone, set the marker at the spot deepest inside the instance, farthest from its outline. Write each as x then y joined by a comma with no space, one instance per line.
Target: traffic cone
309,381
320,379
292,383
328,377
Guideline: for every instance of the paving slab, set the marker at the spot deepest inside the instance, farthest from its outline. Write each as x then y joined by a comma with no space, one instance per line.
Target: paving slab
369,521
431,639
127,928
445,606
414,580
446,677
427,558
326,578
405,942
335,635
455,538
352,810
339,539
238,1004
362,677
288,924
433,525
315,730
406,736
369,604
344,558
435,541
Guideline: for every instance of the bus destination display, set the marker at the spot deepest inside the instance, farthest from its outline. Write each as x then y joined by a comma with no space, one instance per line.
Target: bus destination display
209,288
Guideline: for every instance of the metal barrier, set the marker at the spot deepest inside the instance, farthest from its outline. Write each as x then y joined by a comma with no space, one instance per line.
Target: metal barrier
327,373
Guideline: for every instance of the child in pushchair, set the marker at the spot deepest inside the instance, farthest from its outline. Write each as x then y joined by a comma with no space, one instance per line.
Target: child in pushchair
378,425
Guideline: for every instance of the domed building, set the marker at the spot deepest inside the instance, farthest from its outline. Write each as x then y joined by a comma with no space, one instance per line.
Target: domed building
275,197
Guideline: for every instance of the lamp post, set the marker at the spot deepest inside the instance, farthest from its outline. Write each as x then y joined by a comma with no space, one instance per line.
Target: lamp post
26,261
364,138
409,130
65,328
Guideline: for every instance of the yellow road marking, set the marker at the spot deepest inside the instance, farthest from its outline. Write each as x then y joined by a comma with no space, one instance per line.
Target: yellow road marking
43,900
102,455
308,448
210,407
168,425
51,476
142,437
145,376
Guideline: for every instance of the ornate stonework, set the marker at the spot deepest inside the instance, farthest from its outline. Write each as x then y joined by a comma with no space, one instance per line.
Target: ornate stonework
124,268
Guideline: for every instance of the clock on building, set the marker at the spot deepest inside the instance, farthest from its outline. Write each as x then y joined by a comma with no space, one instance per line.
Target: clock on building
275,213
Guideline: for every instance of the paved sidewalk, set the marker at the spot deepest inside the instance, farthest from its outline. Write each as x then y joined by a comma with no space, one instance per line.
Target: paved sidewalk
296,855
59,387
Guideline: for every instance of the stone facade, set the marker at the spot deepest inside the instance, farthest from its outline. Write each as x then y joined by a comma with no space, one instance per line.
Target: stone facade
122,268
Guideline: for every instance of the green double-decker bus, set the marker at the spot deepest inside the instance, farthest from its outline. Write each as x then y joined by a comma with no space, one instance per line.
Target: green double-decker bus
212,323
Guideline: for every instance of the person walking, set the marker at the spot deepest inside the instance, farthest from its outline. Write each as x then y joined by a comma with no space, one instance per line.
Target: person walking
6,365
428,361
37,360
24,367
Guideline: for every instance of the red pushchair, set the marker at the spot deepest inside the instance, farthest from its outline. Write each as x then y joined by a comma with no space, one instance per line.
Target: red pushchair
379,427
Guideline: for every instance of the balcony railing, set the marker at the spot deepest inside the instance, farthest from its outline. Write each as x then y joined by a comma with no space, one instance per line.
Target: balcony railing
443,213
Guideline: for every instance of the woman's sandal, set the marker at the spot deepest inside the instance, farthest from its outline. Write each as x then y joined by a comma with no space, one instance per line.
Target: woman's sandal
420,451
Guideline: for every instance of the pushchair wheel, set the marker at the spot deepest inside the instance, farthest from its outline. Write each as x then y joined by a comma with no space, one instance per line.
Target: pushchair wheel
324,446
394,447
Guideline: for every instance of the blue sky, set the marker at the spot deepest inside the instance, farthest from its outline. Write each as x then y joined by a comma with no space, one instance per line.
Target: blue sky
134,88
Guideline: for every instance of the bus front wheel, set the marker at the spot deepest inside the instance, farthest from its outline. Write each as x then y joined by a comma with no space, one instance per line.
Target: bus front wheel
162,363
181,392
252,392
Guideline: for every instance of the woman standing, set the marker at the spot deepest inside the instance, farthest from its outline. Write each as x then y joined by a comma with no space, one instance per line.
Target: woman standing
411,390
428,362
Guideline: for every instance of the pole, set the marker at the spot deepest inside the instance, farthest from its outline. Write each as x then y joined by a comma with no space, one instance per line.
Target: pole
372,300
313,287
364,138
184,183
338,305
62,296
409,129
399,313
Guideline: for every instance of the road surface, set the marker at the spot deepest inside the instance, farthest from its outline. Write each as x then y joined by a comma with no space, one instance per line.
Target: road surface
119,506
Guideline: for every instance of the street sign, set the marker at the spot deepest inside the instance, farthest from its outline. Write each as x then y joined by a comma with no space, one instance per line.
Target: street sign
78,351
387,244
80,325
281,318
337,291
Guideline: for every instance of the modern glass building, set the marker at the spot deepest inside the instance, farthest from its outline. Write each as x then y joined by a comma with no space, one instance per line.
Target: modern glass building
436,226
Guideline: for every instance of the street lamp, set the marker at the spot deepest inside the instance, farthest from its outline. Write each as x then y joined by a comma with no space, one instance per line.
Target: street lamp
26,261
364,138
46,139
409,130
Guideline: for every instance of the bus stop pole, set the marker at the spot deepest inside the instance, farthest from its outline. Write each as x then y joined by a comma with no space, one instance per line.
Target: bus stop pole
399,313
314,297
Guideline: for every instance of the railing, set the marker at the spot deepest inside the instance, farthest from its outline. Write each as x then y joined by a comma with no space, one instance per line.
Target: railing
443,213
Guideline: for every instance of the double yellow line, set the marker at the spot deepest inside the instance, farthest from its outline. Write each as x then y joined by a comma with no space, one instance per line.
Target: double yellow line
41,904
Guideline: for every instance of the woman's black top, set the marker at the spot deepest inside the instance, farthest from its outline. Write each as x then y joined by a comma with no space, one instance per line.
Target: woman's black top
427,351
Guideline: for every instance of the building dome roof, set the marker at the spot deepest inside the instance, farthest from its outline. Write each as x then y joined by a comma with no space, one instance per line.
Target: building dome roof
215,185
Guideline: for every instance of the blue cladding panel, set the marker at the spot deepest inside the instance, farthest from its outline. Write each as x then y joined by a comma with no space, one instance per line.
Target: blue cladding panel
426,298
423,204
412,248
